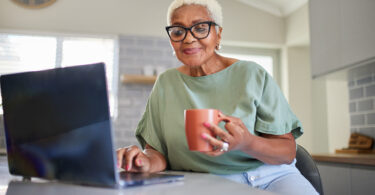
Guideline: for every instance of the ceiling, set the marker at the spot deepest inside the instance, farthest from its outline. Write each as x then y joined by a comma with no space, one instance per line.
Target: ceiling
279,8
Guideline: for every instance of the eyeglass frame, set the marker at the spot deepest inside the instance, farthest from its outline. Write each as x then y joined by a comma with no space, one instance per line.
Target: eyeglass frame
210,23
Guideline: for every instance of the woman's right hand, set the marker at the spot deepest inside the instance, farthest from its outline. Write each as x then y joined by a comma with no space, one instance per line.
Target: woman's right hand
132,159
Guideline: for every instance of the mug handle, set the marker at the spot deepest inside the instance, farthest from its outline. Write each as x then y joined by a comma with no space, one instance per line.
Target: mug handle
222,117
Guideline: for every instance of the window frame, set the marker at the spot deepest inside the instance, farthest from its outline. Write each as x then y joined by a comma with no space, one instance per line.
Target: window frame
274,53
59,46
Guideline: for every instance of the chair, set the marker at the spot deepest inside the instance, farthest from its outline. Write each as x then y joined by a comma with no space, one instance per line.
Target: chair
306,165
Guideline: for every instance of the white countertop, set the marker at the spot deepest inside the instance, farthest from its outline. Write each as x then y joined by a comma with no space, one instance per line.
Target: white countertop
193,184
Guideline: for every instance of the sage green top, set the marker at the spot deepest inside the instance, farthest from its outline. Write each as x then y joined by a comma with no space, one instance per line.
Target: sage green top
244,90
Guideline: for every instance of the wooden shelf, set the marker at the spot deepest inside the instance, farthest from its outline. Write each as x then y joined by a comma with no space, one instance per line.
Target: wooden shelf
137,79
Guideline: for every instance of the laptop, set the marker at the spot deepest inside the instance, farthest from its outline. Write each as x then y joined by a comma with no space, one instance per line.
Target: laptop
58,127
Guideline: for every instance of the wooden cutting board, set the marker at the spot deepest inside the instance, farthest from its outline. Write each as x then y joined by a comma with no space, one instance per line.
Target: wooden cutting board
354,151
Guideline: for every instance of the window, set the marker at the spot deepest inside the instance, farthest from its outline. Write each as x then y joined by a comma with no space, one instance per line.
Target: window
25,52
267,58
265,61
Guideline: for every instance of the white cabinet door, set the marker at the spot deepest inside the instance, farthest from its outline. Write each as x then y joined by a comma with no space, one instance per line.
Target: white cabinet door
363,180
342,34
357,31
335,178
325,36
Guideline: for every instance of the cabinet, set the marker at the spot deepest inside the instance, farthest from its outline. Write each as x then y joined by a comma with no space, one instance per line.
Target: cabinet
342,34
347,179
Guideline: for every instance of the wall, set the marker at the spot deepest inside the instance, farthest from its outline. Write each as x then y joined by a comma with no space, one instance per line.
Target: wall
320,116
361,84
296,73
297,27
300,93
142,17
337,108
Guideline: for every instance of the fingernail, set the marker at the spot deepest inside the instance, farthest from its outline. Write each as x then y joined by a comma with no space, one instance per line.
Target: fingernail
206,124
118,165
139,162
204,136
127,167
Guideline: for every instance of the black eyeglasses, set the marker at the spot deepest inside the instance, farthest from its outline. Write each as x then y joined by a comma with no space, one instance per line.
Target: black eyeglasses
200,30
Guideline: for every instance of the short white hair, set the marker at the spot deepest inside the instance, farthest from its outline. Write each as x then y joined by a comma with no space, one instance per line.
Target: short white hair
212,6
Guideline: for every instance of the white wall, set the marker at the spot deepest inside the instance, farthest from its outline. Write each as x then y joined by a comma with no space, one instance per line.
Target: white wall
338,111
296,71
300,93
320,116
330,106
141,17
297,27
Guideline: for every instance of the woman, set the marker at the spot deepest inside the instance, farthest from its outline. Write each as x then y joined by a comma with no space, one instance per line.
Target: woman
260,136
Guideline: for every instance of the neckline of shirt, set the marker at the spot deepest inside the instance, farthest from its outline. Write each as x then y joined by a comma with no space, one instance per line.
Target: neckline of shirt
210,75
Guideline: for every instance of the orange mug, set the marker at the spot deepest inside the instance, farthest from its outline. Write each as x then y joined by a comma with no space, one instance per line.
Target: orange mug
194,128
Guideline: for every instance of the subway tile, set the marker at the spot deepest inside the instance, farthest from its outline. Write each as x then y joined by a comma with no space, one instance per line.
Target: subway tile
135,53
365,105
369,131
364,80
164,62
356,93
163,43
168,53
357,119
132,52
130,70
131,93
126,61
370,118
142,62
146,42
370,91
124,102
152,53
351,83
129,134
118,133
352,107
127,40
362,71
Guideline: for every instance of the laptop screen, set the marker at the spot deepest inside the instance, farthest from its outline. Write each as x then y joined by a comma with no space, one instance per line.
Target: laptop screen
57,125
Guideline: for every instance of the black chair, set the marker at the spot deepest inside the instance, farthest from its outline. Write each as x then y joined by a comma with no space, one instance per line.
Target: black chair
306,165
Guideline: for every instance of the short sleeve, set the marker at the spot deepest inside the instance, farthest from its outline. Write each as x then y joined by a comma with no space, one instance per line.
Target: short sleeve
274,115
149,129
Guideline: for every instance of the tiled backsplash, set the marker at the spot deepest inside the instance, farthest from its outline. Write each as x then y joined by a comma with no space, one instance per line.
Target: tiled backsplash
361,82
135,53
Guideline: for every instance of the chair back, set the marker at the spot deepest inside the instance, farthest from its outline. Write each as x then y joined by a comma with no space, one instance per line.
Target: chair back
306,165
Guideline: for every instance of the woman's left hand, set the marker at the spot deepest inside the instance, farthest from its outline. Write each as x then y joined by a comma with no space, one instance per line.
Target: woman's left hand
237,136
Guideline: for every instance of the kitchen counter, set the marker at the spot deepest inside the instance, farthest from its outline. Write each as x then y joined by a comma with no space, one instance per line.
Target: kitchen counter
355,159
194,183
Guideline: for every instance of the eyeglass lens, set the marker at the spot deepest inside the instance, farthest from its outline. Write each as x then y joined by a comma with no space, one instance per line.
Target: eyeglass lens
199,31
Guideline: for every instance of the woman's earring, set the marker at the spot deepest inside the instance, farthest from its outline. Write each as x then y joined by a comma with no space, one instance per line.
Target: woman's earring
218,46
174,53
